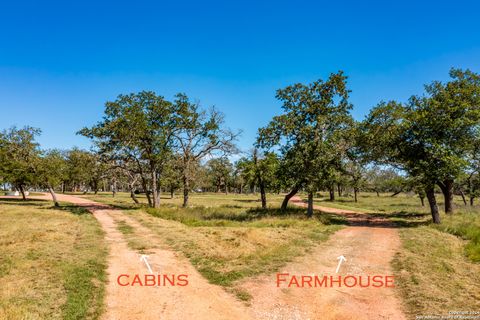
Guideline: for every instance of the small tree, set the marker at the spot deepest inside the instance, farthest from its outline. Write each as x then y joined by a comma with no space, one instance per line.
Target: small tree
220,171
80,169
51,171
355,162
19,154
200,134
172,176
260,171
265,169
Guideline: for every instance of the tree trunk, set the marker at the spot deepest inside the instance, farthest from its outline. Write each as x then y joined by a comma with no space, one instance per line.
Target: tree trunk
54,196
332,194
339,189
186,187
396,193
145,188
422,200
430,191
447,190
310,205
132,193
355,194
471,201
156,198
263,196
378,193
288,197
114,188
172,192
22,191
463,197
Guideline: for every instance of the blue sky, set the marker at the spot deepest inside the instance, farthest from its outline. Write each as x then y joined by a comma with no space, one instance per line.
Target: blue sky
60,61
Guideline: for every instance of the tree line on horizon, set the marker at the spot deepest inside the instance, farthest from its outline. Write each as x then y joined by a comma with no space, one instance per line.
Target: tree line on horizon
147,143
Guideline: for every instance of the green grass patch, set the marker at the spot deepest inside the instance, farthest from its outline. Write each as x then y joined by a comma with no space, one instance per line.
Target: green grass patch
124,227
467,227
241,294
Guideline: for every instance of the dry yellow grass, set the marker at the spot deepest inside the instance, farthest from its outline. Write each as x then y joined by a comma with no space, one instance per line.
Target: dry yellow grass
52,262
434,274
227,254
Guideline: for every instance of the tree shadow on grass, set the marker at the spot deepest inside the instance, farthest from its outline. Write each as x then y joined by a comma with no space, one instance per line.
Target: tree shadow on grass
76,210
251,214
127,207
402,214
233,206
255,214
221,215
401,219
341,200
20,202
404,205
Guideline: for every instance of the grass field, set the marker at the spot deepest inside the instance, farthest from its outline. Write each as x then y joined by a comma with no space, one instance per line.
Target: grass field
228,238
52,262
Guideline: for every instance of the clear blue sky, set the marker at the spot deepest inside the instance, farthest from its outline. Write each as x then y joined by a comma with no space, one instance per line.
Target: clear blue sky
60,61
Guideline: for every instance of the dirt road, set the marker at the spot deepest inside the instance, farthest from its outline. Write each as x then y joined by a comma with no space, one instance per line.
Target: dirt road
199,300
368,251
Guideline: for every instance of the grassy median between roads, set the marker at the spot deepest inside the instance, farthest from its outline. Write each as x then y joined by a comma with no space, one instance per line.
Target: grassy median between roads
228,237
229,244
52,262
